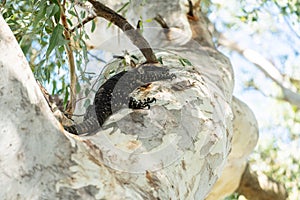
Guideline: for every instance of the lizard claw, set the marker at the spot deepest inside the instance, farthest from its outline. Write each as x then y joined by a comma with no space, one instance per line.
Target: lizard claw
138,104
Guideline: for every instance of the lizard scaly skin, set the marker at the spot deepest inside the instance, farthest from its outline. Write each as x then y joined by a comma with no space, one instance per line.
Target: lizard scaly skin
114,95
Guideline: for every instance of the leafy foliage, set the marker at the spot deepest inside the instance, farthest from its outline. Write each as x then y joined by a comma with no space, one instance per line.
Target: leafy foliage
38,28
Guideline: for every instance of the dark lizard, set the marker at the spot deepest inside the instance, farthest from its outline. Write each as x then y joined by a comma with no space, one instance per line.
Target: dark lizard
114,94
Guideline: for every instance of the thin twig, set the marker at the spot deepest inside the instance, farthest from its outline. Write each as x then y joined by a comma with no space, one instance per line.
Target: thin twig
96,57
73,79
289,91
191,8
198,25
136,38
161,21
81,24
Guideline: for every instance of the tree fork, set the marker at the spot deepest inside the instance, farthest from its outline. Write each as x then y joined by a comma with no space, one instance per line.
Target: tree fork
136,38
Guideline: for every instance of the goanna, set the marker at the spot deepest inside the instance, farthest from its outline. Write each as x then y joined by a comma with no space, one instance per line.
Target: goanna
114,94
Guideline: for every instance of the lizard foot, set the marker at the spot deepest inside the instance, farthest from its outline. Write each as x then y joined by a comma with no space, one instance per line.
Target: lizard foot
138,104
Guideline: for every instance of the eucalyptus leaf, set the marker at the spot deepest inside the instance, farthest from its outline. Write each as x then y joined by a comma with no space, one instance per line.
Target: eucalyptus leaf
57,39
52,10
41,13
93,26
185,62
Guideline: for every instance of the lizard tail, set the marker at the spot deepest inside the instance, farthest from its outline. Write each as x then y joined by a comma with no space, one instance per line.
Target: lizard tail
88,126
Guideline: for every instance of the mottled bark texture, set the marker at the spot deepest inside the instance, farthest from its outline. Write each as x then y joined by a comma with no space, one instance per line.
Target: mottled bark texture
175,150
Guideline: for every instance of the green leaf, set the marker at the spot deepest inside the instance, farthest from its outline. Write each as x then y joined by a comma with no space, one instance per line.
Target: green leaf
82,14
71,12
66,96
109,24
53,87
52,10
84,50
123,7
57,39
140,24
185,62
48,29
93,26
25,45
119,10
41,13
69,22
160,60
149,20
54,1
47,74
57,15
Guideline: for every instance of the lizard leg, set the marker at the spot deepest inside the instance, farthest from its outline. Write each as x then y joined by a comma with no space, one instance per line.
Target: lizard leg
138,104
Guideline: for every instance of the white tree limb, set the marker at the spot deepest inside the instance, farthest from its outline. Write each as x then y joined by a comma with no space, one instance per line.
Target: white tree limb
34,153
289,91
245,137
175,150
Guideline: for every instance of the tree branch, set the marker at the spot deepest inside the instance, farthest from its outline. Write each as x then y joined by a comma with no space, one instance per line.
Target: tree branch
73,79
266,66
258,186
136,38
198,25
81,24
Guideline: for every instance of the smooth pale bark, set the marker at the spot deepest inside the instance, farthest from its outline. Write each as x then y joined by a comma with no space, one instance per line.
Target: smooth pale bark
245,133
34,154
204,87
289,91
245,136
175,150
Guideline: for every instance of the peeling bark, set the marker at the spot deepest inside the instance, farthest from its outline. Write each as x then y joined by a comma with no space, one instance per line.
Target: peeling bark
245,136
34,153
175,150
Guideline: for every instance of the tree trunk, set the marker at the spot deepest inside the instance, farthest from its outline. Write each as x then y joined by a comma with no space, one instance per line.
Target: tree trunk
245,136
35,154
175,150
